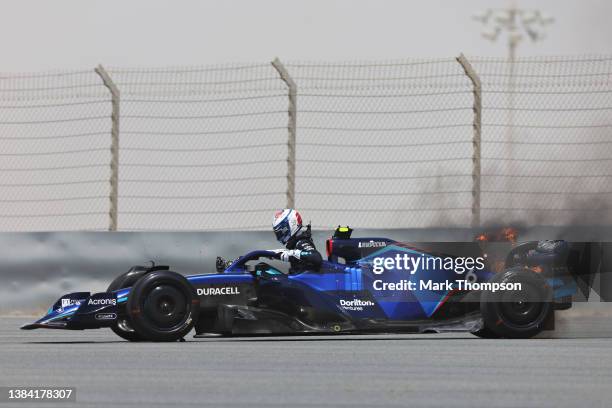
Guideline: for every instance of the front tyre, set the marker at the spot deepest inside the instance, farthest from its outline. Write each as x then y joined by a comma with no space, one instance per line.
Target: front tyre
517,313
123,327
163,306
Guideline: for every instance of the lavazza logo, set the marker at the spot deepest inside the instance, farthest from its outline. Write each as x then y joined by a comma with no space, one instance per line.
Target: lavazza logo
226,290
355,304
102,302
372,244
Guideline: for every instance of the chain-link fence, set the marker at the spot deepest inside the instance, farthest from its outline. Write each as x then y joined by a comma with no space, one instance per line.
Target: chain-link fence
397,144
201,148
547,140
54,151
385,144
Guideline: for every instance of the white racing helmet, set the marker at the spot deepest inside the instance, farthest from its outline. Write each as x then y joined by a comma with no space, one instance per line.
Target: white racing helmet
287,223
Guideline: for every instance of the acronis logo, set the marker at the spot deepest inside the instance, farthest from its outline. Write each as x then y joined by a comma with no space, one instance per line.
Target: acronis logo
102,302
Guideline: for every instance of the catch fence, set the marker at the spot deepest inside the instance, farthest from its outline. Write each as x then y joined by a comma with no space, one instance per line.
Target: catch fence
451,142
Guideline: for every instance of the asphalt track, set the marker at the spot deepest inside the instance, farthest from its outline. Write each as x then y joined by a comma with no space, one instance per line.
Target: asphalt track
455,369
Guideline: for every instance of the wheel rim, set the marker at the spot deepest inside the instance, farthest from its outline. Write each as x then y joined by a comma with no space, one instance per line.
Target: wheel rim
523,307
166,307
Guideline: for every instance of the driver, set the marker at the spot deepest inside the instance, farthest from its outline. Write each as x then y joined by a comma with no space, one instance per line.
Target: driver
299,249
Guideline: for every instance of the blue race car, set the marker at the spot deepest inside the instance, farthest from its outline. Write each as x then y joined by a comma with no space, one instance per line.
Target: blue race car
366,285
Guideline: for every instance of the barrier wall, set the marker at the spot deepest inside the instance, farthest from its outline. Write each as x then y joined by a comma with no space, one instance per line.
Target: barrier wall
37,268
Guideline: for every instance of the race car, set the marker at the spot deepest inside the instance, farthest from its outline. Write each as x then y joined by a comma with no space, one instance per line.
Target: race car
366,285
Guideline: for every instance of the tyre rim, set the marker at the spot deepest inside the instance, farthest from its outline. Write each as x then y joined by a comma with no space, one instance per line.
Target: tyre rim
522,308
166,307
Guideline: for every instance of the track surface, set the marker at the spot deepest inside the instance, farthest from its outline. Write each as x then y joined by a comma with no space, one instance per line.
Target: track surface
341,371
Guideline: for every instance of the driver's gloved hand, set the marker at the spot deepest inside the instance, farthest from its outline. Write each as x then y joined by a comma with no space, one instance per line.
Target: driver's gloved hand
286,254
220,264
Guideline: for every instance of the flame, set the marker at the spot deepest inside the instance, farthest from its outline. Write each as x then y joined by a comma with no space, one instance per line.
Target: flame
510,234
481,238
506,234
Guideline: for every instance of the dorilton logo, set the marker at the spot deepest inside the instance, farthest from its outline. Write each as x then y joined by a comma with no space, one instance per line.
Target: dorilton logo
102,302
355,304
229,290
372,244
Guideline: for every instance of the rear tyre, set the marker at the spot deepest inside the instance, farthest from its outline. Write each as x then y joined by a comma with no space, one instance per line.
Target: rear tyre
517,313
163,306
123,327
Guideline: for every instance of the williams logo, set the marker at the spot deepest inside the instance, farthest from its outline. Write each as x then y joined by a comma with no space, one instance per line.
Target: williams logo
230,290
70,302
372,244
102,302
355,304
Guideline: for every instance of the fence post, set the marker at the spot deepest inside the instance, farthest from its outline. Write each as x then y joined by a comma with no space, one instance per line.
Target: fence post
114,165
477,90
292,126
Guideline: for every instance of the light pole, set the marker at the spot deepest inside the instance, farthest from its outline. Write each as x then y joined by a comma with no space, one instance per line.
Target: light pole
516,24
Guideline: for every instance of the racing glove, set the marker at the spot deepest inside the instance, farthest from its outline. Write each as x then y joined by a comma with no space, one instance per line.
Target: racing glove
285,254
221,264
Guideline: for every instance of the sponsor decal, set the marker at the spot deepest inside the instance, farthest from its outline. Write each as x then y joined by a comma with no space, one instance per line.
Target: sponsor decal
102,302
355,304
106,316
372,244
69,302
212,291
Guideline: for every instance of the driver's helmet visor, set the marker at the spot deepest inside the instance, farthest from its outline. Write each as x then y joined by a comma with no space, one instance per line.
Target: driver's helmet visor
282,232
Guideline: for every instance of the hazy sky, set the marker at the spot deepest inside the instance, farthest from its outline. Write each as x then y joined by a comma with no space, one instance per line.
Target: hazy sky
40,35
